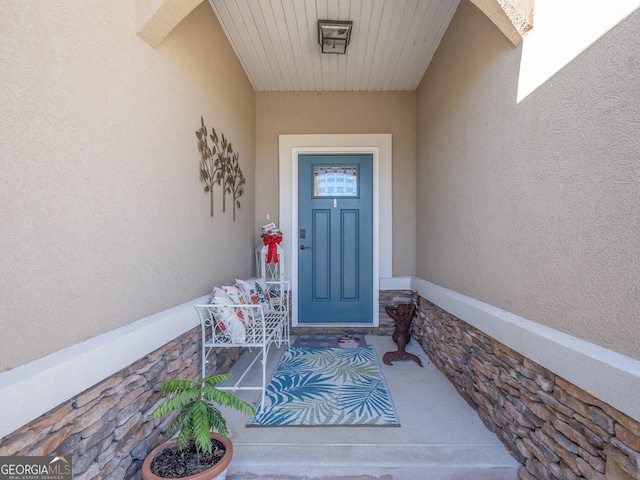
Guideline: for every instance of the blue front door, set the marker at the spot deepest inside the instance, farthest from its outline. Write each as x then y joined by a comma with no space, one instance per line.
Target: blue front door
335,238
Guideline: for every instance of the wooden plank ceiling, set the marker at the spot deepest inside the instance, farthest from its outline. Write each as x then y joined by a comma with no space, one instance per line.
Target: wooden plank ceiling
392,42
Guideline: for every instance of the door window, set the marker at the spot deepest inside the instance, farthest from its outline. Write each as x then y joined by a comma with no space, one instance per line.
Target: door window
335,181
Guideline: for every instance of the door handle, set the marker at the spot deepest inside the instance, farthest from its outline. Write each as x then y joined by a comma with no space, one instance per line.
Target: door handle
304,247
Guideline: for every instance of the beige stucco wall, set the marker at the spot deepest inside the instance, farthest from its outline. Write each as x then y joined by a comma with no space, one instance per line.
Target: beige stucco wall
104,218
347,113
531,202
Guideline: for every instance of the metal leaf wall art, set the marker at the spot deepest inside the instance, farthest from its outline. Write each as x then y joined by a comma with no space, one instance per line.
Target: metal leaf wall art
219,166
234,182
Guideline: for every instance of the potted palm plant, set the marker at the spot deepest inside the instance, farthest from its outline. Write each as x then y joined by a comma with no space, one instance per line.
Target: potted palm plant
197,452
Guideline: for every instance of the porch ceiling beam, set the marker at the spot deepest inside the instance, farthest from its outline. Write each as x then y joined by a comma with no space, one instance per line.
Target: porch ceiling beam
156,18
514,18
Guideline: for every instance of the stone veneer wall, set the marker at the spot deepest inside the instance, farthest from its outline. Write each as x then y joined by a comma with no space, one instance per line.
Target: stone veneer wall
108,429
555,429
386,325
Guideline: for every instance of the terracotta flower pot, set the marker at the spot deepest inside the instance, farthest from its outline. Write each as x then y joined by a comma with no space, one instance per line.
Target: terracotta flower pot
216,472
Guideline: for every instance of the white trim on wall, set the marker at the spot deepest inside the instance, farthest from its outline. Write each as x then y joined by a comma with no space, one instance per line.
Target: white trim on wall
378,145
32,389
607,375
52,380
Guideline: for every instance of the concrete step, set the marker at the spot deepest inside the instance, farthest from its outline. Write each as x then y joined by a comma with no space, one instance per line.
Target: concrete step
385,462
352,473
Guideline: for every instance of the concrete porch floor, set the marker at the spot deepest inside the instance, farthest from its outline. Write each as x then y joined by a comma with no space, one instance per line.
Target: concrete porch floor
440,436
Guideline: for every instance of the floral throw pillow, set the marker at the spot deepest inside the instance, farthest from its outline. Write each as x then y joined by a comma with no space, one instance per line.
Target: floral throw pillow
229,319
262,292
234,293
249,290
243,296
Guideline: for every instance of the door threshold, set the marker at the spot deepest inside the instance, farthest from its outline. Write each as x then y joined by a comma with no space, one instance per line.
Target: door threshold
335,325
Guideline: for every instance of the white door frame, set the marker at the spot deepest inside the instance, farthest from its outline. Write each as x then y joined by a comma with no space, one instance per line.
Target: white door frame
377,145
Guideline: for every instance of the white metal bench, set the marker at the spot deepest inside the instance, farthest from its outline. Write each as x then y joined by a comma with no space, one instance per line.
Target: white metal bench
264,325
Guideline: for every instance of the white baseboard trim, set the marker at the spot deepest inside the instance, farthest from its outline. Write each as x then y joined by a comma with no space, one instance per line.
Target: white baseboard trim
32,389
607,375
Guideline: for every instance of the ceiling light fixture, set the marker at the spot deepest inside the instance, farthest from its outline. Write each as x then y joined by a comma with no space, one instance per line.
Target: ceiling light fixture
334,35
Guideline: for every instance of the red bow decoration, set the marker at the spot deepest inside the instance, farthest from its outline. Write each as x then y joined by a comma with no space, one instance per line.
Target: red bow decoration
272,242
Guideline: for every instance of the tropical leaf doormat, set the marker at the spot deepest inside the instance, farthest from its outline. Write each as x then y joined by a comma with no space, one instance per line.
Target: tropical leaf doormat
327,386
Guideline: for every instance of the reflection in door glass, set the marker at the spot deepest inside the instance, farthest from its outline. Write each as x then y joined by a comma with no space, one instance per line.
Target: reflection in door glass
335,181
